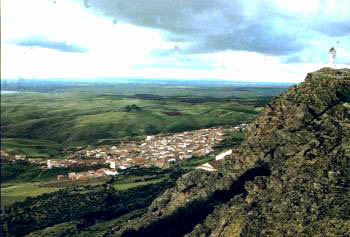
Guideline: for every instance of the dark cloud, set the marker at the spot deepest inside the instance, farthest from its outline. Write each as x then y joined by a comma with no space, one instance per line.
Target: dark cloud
334,29
255,37
260,26
57,45
208,26
86,3
293,59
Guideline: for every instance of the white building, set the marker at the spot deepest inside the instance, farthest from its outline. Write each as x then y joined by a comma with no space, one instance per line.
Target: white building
110,172
332,54
49,165
223,154
149,138
209,166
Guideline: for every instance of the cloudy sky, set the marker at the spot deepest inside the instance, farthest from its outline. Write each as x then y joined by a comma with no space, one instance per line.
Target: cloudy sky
245,40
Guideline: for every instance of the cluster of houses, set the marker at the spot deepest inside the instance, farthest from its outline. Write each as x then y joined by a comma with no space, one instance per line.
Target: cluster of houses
66,163
160,150
88,174
91,173
209,166
5,157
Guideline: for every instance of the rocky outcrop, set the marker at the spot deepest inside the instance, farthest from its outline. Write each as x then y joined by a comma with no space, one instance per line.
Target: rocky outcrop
291,176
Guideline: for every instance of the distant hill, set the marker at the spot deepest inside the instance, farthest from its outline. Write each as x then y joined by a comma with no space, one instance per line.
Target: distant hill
88,115
290,177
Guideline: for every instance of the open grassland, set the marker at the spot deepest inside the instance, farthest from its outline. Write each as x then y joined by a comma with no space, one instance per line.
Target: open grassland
195,89
20,191
63,119
31,147
19,181
125,186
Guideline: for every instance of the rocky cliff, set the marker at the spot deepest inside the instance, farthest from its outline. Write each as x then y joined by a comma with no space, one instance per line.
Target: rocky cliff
291,176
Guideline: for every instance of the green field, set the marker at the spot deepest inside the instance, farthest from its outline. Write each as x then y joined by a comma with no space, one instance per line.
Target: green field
20,191
125,186
52,123
21,181
32,148
13,192
41,124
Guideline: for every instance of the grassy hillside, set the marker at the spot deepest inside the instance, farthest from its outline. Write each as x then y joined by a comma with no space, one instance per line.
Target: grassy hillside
19,192
80,118
32,148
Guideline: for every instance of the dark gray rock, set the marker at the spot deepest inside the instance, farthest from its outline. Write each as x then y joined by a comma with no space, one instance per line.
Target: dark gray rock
291,176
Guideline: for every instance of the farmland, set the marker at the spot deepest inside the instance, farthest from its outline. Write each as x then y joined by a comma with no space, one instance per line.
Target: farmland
42,122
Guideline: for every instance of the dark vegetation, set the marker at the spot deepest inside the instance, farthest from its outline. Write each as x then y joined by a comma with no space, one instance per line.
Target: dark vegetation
195,212
231,140
177,113
263,100
130,108
86,204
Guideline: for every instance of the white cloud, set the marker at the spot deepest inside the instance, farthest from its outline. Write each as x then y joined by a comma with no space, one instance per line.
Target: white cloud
298,6
115,50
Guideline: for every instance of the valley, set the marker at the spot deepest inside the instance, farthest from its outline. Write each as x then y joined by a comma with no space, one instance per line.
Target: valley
91,138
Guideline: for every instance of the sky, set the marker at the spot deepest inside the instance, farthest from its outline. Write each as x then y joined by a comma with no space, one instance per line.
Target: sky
241,40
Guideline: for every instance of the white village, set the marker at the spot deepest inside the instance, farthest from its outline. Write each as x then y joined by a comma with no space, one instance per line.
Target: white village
155,151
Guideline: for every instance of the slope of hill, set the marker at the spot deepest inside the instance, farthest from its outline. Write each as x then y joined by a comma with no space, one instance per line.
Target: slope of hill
58,120
291,176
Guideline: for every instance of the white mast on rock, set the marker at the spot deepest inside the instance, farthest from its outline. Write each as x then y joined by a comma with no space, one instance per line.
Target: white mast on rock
332,56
